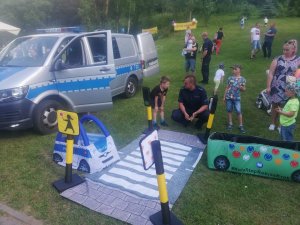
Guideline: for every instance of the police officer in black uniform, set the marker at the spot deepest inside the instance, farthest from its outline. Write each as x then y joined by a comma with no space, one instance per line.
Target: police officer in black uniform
193,104
206,57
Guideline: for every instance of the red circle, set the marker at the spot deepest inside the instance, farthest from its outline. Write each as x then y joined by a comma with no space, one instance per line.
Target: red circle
256,154
294,164
275,151
236,154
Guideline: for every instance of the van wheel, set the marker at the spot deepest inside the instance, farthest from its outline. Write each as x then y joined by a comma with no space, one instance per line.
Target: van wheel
131,87
296,176
57,158
221,163
45,120
84,166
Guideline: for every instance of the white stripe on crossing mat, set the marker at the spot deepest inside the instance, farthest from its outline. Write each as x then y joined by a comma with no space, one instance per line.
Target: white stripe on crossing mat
130,186
174,151
176,145
133,176
164,154
151,171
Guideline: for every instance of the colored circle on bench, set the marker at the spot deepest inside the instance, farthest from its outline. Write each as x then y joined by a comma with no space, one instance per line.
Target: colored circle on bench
294,164
231,146
286,156
278,161
268,157
275,151
259,165
250,149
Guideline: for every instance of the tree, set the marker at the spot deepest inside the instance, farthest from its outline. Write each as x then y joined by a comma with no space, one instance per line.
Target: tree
269,9
294,8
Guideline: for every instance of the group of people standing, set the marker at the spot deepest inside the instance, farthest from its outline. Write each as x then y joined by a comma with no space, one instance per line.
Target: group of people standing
268,40
193,103
191,48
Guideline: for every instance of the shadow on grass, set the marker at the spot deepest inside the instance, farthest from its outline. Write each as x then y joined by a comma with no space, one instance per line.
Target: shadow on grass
7,134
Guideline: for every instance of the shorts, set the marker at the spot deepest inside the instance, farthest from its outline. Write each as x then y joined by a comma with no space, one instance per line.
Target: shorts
152,103
233,104
256,45
217,83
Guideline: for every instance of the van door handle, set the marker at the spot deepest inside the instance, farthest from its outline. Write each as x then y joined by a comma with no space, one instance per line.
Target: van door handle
104,69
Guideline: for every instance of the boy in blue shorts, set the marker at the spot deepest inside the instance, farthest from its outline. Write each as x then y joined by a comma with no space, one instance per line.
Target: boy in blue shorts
235,84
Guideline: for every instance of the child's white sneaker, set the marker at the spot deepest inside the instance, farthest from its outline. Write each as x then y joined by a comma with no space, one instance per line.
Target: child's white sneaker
272,127
279,129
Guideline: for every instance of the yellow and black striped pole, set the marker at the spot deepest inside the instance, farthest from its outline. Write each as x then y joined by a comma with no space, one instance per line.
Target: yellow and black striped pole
212,109
69,158
68,124
146,96
165,217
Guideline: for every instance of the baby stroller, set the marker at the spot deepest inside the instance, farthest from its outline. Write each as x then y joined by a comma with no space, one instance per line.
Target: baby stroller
263,102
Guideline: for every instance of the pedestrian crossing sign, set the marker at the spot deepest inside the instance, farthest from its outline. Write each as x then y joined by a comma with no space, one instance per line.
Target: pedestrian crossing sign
146,149
67,122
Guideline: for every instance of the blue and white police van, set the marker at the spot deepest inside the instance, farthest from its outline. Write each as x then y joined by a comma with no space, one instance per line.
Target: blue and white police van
79,72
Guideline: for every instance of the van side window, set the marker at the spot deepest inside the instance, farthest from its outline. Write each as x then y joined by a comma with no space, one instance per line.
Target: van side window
115,48
126,46
98,46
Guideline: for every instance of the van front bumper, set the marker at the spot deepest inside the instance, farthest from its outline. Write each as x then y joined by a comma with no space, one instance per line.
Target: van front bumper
16,115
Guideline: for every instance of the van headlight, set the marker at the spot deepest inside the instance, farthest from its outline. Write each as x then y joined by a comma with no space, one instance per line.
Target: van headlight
9,95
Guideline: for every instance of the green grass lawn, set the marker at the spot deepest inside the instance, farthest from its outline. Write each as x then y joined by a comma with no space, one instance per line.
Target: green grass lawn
210,197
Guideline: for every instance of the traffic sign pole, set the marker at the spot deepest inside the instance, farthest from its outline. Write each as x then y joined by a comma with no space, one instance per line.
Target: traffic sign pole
68,124
69,158
146,97
213,107
165,216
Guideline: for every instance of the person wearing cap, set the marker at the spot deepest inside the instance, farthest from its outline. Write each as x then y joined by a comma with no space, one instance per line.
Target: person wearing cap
288,114
232,97
192,104
219,77
207,48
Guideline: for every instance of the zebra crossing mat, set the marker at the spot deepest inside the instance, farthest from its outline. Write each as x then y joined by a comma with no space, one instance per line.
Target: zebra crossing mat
127,192
181,153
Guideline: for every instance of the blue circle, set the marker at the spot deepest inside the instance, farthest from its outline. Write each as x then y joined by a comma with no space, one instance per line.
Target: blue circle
231,146
250,149
286,156
259,165
268,157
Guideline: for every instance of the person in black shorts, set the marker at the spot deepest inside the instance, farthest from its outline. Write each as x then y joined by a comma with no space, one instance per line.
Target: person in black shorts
193,103
157,101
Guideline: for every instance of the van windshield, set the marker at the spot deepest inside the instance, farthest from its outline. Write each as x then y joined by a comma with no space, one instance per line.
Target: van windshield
27,51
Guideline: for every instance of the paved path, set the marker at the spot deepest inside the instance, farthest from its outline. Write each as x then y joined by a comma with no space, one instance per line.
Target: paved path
9,216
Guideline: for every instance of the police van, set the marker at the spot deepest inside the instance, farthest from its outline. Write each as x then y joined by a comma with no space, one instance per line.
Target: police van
80,72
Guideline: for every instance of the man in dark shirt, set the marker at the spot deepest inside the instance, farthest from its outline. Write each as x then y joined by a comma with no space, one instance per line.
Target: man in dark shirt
206,56
269,37
193,103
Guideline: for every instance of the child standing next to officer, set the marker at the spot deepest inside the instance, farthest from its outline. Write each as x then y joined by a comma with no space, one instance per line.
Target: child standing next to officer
157,100
288,114
232,97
